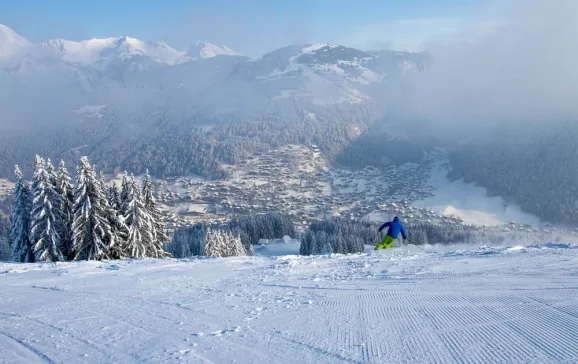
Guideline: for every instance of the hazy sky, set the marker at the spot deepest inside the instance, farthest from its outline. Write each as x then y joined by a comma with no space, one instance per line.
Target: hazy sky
251,27
524,69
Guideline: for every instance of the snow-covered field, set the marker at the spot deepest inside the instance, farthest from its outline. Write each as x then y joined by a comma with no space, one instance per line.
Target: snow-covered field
471,203
406,305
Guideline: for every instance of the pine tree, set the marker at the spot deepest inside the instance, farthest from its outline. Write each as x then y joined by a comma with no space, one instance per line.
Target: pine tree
91,231
323,245
66,191
113,196
150,205
340,246
20,226
222,244
102,182
51,172
313,244
233,245
117,247
141,229
307,240
124,194
250,251
46,216
214,245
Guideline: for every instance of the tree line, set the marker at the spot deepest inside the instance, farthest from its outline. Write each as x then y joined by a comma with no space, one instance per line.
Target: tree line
55,220
338,235
193,240
349,236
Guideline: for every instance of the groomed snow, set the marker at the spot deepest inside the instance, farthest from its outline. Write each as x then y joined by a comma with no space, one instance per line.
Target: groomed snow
484,305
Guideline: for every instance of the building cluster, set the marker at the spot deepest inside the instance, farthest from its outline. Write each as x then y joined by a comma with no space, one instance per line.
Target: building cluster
293,180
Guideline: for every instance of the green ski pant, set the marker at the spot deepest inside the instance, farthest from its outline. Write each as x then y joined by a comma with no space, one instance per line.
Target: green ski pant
386,243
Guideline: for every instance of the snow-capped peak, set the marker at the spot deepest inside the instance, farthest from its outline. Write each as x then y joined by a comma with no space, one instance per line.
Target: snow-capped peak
92,50
317,46
11,43
202,49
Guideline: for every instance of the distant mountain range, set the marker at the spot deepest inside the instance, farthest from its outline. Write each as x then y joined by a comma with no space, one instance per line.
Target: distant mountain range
96,52
54,79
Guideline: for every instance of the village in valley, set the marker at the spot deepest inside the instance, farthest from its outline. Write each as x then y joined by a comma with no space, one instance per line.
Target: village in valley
296,180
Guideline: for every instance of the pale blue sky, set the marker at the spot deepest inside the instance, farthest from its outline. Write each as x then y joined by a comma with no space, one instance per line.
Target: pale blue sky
251,27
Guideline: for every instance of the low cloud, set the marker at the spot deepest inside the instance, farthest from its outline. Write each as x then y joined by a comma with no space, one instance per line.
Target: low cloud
524,66
412,35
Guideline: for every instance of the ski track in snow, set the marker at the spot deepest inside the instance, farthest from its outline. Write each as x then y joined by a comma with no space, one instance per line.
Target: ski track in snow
486,305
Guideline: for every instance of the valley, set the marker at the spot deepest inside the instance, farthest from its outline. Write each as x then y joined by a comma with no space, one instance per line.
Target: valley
298,181
295,180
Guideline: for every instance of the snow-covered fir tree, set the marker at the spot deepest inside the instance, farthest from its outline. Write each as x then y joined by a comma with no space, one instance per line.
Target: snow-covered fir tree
53,177
113,196
214,245
222,244
250,251
124,193
102,182
151,205
46,216
233,244
141,226
339,245
308,243
92,233
20,226
5,251
117,248
66,191
323,245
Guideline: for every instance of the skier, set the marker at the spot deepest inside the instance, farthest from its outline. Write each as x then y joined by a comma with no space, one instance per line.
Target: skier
395,227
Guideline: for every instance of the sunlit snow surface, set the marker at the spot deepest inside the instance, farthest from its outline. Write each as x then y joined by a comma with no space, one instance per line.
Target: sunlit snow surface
405,305
471,203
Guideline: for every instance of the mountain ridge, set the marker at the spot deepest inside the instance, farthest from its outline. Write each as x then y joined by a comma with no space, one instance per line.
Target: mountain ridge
92,50
131,76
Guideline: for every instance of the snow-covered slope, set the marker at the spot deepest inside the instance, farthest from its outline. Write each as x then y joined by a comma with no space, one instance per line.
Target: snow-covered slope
205,50
485,305
324,73
471,203
11,43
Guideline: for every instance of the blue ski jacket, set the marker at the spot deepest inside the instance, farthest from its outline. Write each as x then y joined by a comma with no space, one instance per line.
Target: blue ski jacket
395,227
